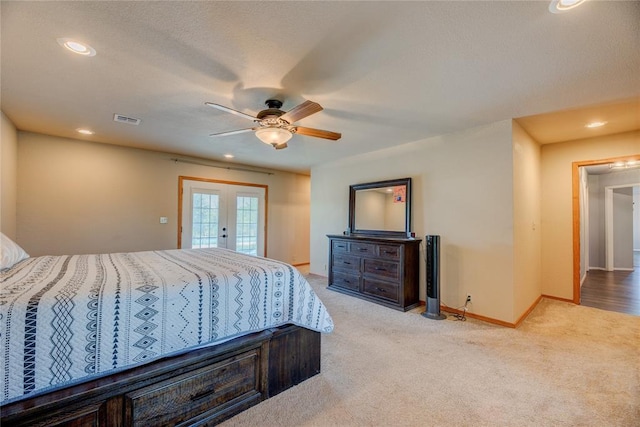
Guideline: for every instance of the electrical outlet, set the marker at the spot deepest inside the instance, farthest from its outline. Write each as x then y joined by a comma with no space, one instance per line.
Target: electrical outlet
468,299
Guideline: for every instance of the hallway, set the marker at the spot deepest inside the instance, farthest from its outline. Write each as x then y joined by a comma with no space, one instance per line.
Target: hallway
613,290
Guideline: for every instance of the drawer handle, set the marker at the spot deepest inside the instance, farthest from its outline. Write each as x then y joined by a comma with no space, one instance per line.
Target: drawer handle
389,252
380,269
381,289
346,262
202,395
363,249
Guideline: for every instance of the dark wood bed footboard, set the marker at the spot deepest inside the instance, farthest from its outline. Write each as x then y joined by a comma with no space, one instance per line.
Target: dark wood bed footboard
294,356
202,387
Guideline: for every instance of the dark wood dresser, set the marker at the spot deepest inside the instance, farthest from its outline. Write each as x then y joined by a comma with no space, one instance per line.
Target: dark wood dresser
378,269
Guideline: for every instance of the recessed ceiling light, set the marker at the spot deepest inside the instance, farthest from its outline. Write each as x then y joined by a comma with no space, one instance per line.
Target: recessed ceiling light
85,131
559,6
595,124
76,47
229,156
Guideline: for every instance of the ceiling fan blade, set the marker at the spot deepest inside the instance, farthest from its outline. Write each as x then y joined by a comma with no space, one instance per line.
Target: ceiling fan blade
231,110
334,136
232,132
303,110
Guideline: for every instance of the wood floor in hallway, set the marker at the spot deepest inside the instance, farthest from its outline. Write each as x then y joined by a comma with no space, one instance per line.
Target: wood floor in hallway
613,290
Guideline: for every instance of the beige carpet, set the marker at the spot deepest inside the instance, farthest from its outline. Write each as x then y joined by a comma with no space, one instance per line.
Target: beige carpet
566,365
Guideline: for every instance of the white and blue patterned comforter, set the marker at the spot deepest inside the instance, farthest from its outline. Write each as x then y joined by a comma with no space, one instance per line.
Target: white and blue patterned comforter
68,318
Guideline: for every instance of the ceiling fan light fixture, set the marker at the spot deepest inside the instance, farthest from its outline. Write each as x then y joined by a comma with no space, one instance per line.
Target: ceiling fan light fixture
560,6
273,135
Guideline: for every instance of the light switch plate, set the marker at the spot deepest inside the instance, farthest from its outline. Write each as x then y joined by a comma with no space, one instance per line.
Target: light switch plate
164,220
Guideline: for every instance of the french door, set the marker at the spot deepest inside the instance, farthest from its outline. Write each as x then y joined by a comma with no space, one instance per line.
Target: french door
222,215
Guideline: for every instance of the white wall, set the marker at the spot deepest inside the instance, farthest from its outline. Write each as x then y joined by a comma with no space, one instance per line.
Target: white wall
8,176
557,211
462,187
526,220
83,197
636,218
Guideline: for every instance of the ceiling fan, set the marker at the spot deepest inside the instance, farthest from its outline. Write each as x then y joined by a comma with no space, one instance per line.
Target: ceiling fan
274,126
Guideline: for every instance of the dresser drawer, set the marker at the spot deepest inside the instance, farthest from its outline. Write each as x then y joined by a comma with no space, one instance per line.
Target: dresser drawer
339,246
198,393
389,251
385,290
347,281
362,248
346,263
386,269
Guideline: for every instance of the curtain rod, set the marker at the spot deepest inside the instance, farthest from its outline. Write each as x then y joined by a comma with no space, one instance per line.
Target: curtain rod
194,162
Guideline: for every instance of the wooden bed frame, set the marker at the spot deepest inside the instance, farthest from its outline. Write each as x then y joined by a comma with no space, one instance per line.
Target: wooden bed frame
203,387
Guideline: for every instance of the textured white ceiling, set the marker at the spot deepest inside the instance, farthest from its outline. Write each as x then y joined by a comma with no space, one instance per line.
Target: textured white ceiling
386,72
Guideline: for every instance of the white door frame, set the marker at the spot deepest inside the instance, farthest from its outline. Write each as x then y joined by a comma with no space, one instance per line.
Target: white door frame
585,210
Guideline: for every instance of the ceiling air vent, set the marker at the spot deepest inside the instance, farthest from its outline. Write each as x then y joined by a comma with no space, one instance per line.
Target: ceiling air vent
124,119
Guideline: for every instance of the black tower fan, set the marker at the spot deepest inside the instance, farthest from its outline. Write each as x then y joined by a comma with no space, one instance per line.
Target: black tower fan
433,279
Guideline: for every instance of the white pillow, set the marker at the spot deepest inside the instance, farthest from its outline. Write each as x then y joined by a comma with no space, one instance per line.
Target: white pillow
10,252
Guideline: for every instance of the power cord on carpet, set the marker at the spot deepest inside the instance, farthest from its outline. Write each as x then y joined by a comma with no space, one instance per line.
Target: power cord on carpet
458,316
462,317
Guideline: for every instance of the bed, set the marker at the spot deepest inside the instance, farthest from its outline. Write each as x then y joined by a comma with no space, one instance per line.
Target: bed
175,337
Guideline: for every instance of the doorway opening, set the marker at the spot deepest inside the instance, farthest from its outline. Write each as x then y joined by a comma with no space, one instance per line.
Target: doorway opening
222,214
606,233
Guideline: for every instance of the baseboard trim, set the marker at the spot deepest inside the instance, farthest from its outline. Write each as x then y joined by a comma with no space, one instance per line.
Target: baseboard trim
557,298
614,269
528,312
497,321
477,316
448,309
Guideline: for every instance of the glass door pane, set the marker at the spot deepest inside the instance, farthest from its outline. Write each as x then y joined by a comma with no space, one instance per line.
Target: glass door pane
205,221
247,224
203,216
